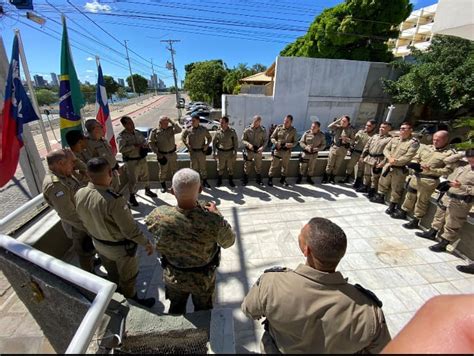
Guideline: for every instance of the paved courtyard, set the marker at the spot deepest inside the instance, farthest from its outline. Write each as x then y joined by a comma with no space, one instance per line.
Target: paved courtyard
381,256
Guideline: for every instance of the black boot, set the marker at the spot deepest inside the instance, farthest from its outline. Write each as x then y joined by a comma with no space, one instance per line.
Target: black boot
309,180
149,193
362,189
332,179
299,179
378,198
399,214
325,178
132,200
219,181
430,234
371,192
412,224
283,181
163,187
270,181
205,184
346,179
231,181
357,183
259,179
146,302
245,179
440,246
391,208
466,269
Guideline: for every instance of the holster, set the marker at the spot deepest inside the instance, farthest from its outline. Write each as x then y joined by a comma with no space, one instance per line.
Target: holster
131,248
144,151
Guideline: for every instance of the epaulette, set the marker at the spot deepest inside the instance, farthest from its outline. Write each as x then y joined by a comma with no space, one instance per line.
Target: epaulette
276,269
113,194
54,179
369,294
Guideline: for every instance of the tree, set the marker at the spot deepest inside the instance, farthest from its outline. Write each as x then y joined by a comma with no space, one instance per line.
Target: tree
121,92
46,97
355,29
231,81
441,78
89,93
257,68
141,84
204,81
111,86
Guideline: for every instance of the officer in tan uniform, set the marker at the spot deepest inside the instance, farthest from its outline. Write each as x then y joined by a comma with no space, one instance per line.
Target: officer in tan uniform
283,140
162,142
133,147
115,234
311,143
313,309
189,237
360,140
343,138
254,140
197,139
398,152
428,166
77,143
374,159
97,146
225,144
453,208
59,188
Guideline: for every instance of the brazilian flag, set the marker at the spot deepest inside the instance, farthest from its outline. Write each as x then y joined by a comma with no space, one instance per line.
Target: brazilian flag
70,96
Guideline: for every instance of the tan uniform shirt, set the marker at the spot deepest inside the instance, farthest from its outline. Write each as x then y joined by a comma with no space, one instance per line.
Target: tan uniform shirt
316,312
59,193
162,140
225,140
465,175
340,132
106,215
80,171
254,137
435,159
100,148
360,140
374,148
312,142
196,137
126,143
402,150
284,135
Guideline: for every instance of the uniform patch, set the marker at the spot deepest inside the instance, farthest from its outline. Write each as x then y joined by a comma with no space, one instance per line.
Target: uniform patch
415,143
59,194
369,294
276,269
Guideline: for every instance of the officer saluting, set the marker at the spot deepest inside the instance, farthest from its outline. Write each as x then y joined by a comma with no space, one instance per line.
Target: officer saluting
225,144
311,142
254,140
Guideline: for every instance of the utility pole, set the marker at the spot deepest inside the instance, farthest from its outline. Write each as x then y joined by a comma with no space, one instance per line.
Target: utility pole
130,67
170,48
155,82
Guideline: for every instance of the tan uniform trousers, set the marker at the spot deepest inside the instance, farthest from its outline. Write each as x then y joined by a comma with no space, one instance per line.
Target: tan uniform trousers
354,163
308,165
198,163
170,166
225,160
280,157
121,268
136,171
418,193
256,158
335,159
450,219
267,344
394,181
370,178
82,246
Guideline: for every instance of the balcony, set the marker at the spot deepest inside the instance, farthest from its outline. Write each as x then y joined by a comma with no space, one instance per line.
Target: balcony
425,29
409,33
422,46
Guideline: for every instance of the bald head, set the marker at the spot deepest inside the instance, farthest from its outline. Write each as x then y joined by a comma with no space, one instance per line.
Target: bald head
61,162
440,139
55,156
164,121
186,184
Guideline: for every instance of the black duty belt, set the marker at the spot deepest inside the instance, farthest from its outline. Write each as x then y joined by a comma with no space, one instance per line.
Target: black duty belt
165,153
357,151
225,150
126,159
345,145
464,198
376,154
420,175
112,243
197,149
213,263
398,167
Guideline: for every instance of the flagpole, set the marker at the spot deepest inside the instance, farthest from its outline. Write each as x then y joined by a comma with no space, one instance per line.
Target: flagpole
26,72
97,62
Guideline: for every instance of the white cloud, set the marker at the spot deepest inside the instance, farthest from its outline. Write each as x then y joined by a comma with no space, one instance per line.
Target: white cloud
89,71
89,59
95,6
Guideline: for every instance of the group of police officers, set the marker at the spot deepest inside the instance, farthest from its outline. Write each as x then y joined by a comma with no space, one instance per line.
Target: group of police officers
85,183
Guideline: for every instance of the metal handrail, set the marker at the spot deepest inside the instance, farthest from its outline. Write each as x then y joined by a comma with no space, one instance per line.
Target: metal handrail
11,218
101,287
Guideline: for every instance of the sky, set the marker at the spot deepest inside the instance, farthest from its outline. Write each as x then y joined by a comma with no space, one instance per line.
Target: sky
236,31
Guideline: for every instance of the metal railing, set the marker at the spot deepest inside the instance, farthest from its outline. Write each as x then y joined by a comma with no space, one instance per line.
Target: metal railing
8,222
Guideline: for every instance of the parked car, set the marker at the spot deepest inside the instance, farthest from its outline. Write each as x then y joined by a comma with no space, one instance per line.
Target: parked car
211,125
424,131
145,131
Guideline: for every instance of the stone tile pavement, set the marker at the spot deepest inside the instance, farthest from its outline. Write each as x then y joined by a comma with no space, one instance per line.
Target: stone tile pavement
381,256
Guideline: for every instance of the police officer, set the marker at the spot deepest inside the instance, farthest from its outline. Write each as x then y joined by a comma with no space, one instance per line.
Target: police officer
162,142
283,140
225,144
197,139
373,159
77,143
115,234
343,137
59,188
454,207
428,166
254,140
189,237
313,309
360,140
133,147
311,143
398,152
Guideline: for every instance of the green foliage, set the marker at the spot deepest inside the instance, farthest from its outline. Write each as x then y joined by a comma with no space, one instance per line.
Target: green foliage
442,78
46,97
89,93
111,86
231,81
204,81
466,122
141,84
121,92
355,29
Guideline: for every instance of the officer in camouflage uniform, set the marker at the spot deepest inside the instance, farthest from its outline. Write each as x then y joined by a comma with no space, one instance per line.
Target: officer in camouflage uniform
115,234
283,140
374,159
134,149
197,139
254,140
313,309
311,142
162,142
428,166
360,140
398,152
59,188
343,137
225,144
189,237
